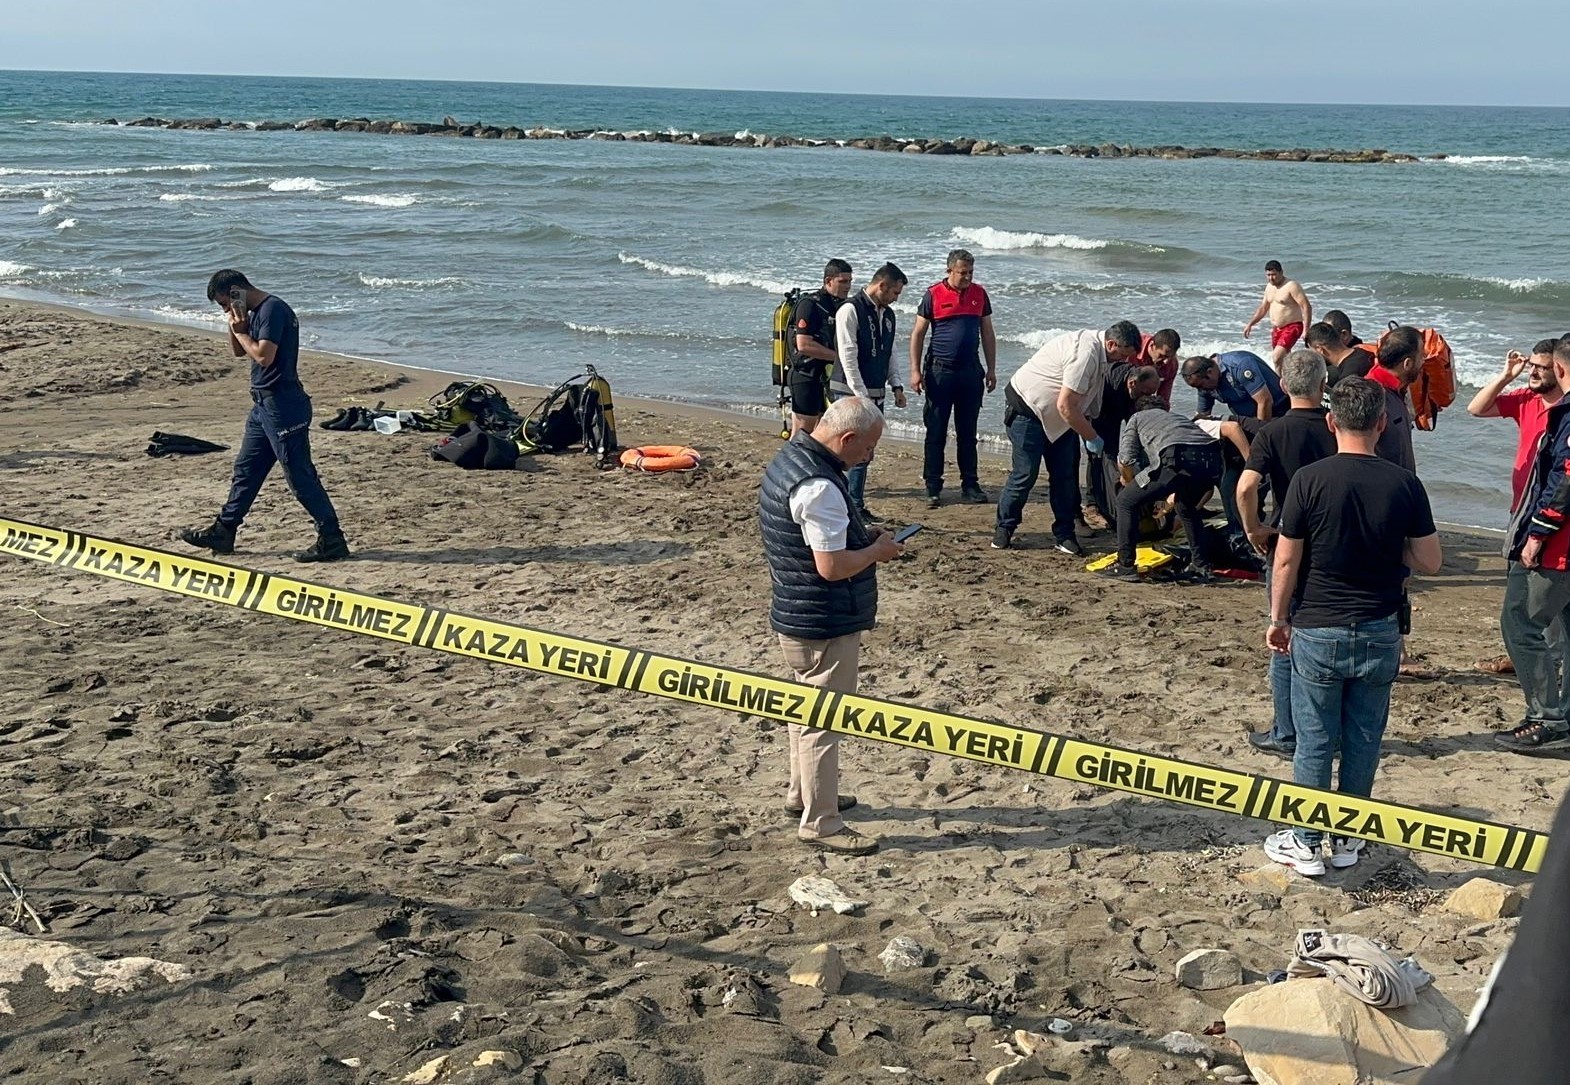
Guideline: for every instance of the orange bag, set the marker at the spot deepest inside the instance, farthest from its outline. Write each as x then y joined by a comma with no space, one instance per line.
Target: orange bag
1435,387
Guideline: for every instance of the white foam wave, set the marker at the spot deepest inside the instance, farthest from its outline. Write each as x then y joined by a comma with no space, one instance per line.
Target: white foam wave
1485,159
183,197
298,184
10,269
1036,339
614,333
396,200
66,224
107,171
987,237
249,182
378,280
48,209
714,278
1518,286
190,316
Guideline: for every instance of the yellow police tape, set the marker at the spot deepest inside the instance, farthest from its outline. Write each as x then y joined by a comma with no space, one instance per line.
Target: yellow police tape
725,688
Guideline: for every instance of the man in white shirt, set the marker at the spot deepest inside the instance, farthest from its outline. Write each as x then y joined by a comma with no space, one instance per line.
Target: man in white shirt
823,562
864,340
1051,400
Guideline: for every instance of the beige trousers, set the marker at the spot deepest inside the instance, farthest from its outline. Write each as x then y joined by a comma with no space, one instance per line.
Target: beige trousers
815,754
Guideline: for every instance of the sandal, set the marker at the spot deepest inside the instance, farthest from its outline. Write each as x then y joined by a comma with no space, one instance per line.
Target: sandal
1533,737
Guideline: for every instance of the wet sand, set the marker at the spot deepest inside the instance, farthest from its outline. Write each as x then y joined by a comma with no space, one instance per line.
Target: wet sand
312,822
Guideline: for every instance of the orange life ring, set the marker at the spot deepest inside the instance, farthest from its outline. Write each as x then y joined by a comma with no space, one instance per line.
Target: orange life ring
661,458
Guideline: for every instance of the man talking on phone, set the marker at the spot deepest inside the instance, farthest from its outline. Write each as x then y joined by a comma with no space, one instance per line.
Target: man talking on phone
823,560
264,329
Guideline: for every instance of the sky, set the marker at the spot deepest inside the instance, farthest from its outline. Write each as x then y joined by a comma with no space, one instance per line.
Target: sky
1454,52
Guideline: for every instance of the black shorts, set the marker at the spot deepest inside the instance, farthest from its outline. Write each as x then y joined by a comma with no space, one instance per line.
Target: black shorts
809,393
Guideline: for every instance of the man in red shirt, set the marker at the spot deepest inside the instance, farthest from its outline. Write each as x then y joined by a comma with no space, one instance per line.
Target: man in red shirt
1528,408
948,371
1160,351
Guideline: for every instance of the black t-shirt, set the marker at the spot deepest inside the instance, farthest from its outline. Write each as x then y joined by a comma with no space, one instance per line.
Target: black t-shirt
1288,444
1355,364
1395,444
1354,514
1117,406
814,318
275,322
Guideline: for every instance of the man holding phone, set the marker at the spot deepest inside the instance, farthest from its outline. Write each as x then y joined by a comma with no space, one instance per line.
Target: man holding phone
823,560
264,329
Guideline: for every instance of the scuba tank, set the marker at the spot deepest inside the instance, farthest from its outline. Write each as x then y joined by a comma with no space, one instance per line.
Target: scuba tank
605,440
784,349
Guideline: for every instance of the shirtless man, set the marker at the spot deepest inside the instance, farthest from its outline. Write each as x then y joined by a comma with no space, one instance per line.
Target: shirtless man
1289,311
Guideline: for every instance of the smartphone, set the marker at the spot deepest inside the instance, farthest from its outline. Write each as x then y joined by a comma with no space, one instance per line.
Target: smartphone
237,302
906,532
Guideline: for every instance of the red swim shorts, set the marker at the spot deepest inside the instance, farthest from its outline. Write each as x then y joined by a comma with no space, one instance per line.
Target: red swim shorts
1286,335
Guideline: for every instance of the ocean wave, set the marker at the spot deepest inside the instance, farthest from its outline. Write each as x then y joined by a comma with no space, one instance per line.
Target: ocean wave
48,209
191,316
377,280
1034,340
658,334
1440,287
10,269
66,224
1505,163
184,197
249,182
107,171
714,278
987,237
298,184
402,200
1485,159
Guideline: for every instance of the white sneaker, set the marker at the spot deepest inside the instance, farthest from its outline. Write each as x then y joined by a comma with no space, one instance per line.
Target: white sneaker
1285,848
1345,851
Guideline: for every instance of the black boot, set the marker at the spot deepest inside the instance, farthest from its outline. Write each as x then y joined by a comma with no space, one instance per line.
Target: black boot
327,548
217,537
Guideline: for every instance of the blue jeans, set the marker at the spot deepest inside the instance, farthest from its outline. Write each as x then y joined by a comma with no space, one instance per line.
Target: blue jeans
1341,679
1031,448
1281,729
856,477
278,431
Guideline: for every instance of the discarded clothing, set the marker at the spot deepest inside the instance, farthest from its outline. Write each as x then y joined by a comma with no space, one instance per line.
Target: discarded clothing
177,444
1359,966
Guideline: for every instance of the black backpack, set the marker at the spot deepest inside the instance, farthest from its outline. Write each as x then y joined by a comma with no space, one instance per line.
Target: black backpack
471,401
578,412
475,448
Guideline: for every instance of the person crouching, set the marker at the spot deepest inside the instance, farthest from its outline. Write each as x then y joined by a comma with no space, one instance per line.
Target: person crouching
1163,454
822,564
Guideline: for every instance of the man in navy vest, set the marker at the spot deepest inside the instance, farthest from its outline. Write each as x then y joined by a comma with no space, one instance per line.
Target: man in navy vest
864,339
958,313
822,566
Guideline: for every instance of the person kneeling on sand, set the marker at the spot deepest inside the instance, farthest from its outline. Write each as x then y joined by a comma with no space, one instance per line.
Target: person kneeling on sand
264,329
1352,525
1162,453
823,561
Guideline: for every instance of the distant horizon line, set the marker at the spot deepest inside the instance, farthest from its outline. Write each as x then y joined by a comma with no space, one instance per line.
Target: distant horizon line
756,90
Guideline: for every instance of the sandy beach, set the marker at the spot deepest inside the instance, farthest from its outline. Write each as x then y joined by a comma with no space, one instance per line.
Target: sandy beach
311,822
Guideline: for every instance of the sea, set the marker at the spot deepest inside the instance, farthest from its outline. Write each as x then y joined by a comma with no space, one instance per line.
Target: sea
661,264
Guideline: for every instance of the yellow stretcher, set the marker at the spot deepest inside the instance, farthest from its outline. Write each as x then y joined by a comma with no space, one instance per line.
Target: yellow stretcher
1147,559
